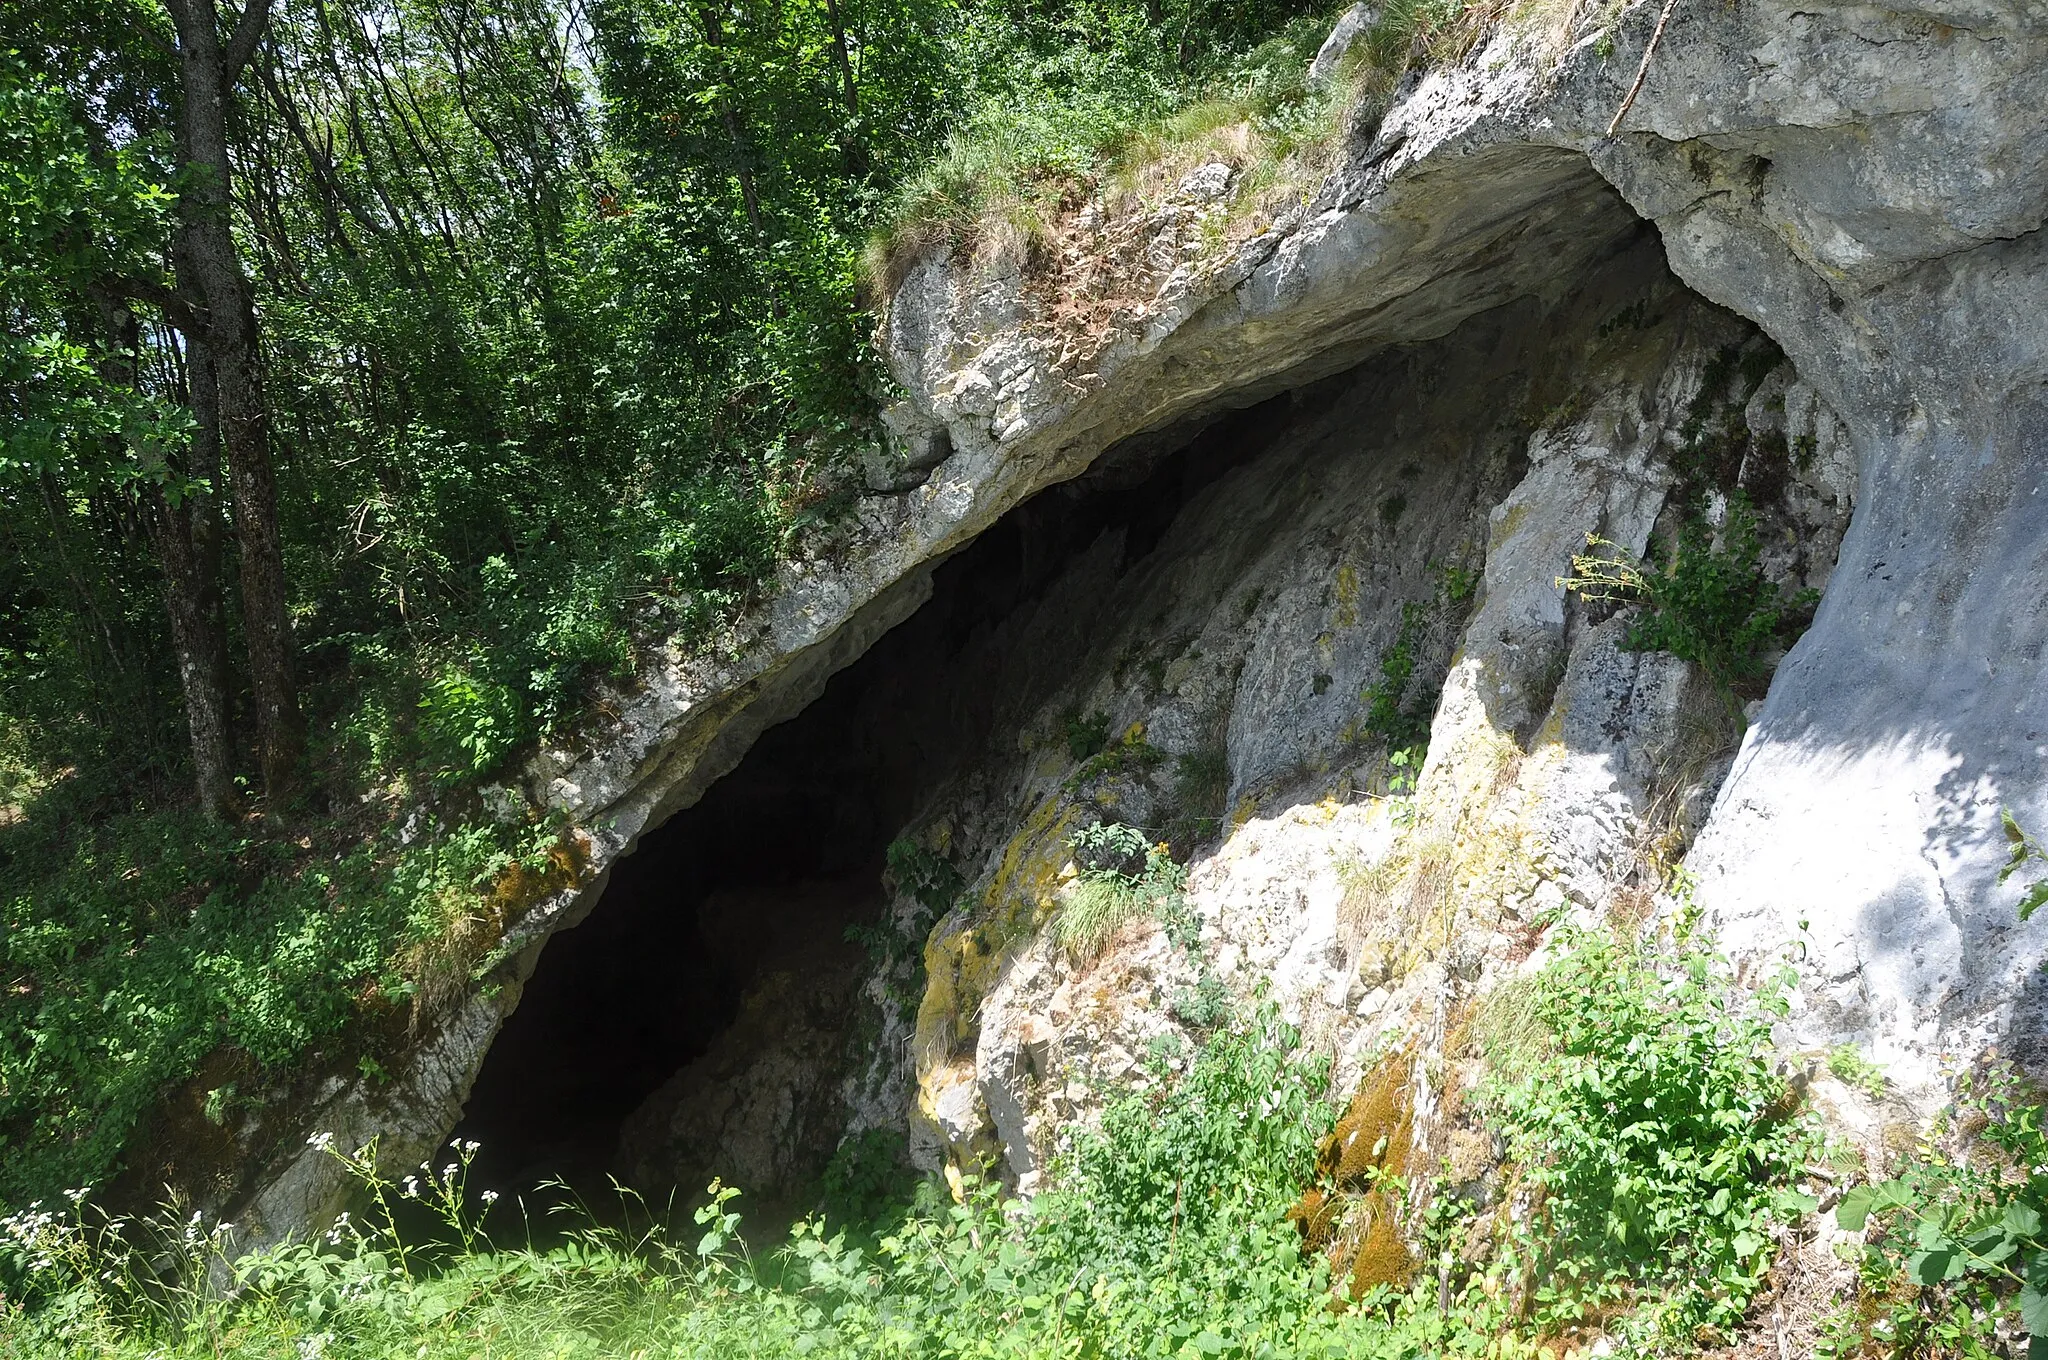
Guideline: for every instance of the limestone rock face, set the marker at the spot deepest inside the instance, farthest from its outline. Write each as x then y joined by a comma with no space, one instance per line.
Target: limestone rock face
1865,186
1386,513
1868,187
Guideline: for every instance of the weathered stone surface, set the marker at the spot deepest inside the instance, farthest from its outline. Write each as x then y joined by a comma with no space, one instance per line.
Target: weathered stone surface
1351,25
763,1108
1556,759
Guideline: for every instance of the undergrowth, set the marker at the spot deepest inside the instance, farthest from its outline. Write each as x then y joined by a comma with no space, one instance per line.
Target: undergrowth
1662,1143
1652,1152
1106,103
137,947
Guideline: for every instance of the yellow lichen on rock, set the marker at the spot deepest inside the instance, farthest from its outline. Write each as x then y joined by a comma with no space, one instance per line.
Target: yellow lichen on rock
966,952
1347,596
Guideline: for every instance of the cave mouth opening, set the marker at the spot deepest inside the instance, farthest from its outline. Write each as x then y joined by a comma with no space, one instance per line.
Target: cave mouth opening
723,938
705,1017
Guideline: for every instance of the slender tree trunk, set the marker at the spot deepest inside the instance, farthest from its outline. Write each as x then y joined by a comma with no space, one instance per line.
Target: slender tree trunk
188,544
845,56
735,129
186,536
850,149
207,71
192,595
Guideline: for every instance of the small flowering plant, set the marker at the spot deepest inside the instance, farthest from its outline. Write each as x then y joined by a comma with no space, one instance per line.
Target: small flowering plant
98,1262
1969,1228
444,1191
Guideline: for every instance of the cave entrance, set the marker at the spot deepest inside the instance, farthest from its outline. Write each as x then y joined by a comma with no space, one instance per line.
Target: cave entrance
703,1017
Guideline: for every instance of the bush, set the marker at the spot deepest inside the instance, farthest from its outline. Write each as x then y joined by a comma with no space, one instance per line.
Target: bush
1963,1227
1709,604
137,946
1660,1136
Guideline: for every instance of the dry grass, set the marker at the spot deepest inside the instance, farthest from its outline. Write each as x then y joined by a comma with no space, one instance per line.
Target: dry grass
1402,908
1087,211
1031,189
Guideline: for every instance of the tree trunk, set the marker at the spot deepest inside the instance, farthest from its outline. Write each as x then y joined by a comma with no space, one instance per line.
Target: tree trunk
207,71
735,128
850,149
186,537
192,596
840,50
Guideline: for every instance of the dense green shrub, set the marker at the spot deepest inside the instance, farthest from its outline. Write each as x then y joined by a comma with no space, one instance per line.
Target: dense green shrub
1709,602
1659,1133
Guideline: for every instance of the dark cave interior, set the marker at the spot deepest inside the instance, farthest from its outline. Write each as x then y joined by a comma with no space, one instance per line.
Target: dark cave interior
787,851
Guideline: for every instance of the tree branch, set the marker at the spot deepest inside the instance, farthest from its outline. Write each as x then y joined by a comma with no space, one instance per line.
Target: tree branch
187,316
242,46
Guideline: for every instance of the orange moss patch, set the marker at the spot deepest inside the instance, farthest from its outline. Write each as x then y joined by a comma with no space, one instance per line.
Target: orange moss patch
1375,1136
1352,1216
1315,1216
1382,1258
521,885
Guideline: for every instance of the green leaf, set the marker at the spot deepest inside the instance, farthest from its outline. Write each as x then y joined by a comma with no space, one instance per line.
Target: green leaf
2034,1313
2036,898
2022,1220
1935,1266
1855,1208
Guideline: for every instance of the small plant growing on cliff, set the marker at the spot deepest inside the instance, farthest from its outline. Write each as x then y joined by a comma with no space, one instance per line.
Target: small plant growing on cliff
1085,735
1847,1065
1122,877
1966,1222
1708,603
2023,851
1386,714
